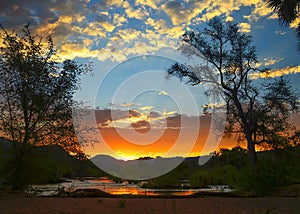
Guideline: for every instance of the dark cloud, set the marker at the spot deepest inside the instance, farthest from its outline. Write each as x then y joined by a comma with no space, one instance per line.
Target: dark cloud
101,18
177,11
16,13
134,113
141,126
174,6
174,121
104,115
154,114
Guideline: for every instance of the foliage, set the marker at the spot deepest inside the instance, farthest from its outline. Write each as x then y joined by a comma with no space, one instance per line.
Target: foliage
279,167
236,157
228,61
47,164
36,96
272,125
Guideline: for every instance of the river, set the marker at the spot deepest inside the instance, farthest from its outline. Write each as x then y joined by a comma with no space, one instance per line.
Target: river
111,187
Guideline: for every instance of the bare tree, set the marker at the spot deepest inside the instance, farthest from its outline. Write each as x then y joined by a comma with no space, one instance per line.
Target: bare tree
258,112
36,96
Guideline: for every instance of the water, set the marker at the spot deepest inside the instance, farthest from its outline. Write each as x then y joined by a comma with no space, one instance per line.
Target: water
116,188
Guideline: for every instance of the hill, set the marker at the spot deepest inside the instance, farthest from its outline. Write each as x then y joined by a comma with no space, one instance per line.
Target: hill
136,169
46,164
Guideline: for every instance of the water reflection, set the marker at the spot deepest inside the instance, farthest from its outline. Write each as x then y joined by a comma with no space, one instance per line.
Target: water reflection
111,187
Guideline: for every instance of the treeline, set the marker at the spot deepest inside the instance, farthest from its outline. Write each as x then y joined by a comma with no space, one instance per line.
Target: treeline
276,168
231,167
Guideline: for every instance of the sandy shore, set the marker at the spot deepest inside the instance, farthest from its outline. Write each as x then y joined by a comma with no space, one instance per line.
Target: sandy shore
149,205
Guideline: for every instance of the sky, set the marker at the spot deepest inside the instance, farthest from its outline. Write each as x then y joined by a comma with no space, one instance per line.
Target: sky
131,44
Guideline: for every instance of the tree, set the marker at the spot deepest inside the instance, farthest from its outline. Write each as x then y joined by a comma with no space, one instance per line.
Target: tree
272,127
36,96
228,60
287,11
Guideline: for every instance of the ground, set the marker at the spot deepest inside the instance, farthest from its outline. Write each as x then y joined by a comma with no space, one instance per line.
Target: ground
23,204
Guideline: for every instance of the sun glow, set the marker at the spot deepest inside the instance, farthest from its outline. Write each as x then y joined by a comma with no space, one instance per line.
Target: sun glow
125,156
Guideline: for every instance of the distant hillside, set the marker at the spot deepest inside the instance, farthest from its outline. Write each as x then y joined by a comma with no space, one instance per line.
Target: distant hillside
54,152
136,169
47,163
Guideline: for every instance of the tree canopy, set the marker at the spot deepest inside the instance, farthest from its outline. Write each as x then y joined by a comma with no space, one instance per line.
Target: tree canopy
36,94
259,112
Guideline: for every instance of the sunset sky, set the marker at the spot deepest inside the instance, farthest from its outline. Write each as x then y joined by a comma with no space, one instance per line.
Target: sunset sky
131,44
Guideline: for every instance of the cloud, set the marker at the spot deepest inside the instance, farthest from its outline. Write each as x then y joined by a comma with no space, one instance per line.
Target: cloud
108,26
277,72
151,3
166,113
163,93
129,35
154,114
161,26
94,29
137,13
269,62
142,125
136,118
129,104
105,117
146,108
280,32
119,19
61,29
261,9
245,27
195,12
122,29
73,50
17,13
175,11
181,13
104,4
214,105
132,42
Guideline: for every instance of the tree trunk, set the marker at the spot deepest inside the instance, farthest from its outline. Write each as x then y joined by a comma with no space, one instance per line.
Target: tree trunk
251,149
247,131
19,173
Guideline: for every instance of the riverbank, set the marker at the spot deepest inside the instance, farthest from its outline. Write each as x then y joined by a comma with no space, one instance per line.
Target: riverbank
23,204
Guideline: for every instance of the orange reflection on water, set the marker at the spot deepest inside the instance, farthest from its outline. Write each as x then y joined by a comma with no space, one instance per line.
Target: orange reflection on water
148,192
109,186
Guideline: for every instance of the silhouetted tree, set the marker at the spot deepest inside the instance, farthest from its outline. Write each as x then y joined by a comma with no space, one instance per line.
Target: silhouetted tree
36,96
287,11
272,127
260,114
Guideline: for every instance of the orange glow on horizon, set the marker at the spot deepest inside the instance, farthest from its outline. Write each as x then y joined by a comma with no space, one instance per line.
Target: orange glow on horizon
129,151
126,150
